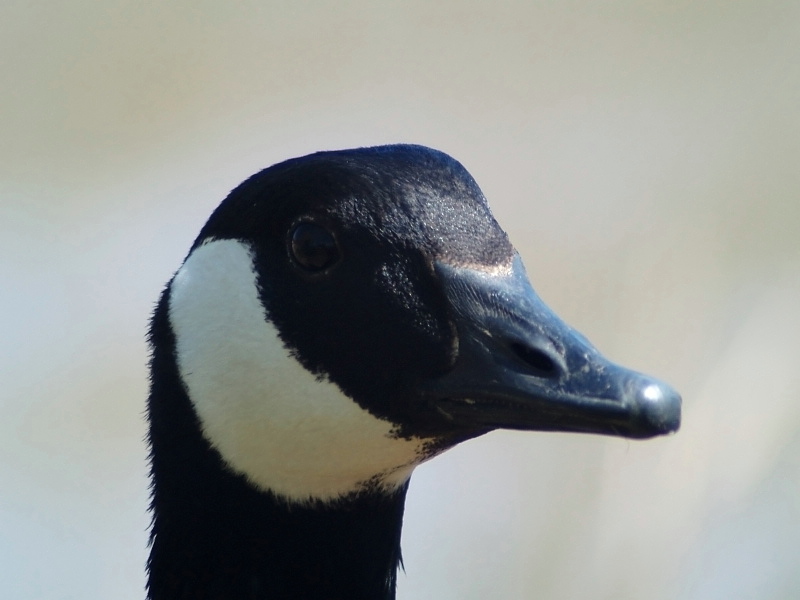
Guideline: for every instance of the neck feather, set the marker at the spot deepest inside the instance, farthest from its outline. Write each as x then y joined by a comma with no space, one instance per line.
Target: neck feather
216,536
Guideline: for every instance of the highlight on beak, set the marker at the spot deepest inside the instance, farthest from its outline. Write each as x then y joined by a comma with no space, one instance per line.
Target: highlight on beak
521,367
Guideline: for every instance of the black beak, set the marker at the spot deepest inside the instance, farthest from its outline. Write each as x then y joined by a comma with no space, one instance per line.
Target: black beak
519,366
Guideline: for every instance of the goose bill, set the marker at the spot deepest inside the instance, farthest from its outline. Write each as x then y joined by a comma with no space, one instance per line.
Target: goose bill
518,366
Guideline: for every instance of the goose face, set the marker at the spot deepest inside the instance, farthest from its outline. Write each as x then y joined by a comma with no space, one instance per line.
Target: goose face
344,316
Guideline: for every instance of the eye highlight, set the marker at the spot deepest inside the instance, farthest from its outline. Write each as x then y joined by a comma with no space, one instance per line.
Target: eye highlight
313,247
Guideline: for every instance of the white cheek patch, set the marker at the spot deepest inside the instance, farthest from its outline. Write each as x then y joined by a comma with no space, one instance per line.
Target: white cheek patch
269,418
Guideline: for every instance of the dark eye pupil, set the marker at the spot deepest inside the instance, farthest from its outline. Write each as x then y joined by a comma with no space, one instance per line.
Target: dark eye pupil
313,247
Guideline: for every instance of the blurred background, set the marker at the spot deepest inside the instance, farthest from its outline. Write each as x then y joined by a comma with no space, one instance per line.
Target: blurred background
644,157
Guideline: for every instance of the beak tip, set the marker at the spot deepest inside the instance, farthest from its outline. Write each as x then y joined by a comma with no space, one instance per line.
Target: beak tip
659,408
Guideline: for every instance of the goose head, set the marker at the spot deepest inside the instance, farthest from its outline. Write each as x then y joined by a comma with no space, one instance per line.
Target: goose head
341,318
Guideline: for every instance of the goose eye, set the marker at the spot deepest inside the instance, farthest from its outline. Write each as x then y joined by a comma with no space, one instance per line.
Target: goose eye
313,247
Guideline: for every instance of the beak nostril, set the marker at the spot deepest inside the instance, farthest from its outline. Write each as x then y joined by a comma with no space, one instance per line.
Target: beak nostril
539,361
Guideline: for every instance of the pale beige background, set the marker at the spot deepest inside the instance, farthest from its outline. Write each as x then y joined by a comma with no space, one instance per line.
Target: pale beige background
644,156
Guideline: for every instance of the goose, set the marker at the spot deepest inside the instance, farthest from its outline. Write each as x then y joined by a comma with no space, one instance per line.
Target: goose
341,318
